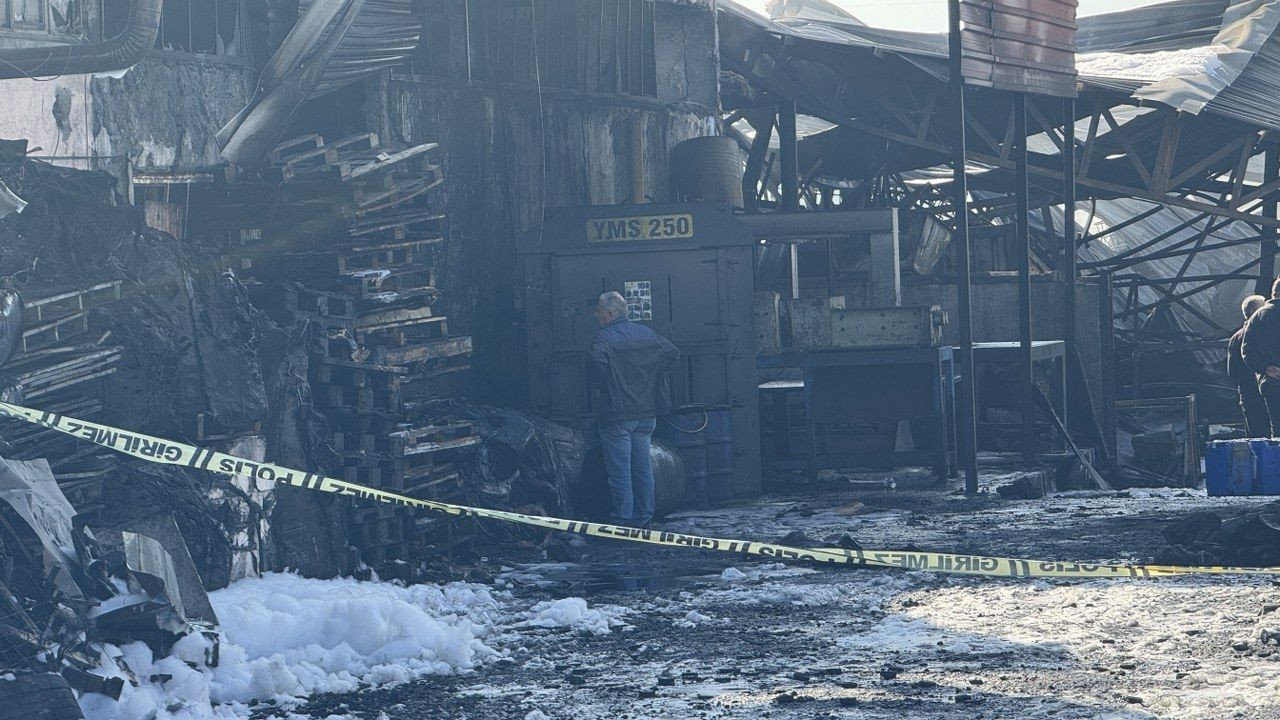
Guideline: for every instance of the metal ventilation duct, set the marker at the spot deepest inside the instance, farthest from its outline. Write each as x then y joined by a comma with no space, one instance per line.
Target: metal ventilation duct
117,53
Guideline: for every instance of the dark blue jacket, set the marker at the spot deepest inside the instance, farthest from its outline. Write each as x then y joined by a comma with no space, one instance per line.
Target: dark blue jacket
1260,341
627,367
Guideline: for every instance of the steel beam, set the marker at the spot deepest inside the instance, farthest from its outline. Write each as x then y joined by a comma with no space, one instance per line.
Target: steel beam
1021,190
788,162
1069,236
966,415
1267,248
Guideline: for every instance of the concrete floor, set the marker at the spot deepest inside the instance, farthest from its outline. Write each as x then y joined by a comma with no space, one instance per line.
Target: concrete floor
723,636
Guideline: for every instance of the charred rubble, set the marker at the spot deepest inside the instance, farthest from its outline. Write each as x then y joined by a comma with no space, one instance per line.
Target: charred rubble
303,337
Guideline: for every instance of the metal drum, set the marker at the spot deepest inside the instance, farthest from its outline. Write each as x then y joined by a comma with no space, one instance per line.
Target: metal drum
719,439
685,429
707,169
591,496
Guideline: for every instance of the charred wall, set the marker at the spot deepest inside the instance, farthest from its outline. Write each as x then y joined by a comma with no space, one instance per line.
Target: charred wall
523,130
162,115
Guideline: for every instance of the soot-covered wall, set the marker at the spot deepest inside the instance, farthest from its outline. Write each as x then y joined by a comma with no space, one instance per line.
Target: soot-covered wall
514,147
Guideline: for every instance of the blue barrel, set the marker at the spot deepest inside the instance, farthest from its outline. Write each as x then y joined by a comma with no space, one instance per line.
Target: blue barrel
719,434
1266,480
686,429
1230,468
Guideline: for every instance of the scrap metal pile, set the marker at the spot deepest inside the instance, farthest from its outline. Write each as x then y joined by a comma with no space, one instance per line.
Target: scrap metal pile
72,592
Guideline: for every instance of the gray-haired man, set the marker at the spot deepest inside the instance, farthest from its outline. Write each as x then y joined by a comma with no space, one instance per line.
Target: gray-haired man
627,367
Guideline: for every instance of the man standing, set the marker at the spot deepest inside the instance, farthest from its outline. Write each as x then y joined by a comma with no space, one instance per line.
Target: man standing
1257,421
1260,348
627,368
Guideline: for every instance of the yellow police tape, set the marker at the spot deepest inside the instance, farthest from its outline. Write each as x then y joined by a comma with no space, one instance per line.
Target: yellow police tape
168,452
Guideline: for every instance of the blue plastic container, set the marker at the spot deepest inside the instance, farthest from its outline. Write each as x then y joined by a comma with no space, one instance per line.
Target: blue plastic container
1266,478
1230,468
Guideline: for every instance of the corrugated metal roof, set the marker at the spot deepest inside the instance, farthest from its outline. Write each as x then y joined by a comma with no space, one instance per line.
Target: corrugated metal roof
1244,85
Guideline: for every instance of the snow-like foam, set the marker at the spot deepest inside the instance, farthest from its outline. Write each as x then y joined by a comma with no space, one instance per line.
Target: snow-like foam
1152,66
285,637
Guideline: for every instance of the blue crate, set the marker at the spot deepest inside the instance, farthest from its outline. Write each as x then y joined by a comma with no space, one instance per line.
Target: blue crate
1266,477
1230,468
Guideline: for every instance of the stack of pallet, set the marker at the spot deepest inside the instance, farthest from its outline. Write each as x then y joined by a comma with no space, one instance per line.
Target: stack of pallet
58,366
368,280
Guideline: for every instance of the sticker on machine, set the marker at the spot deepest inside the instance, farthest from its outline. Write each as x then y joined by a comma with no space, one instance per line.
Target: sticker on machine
639,295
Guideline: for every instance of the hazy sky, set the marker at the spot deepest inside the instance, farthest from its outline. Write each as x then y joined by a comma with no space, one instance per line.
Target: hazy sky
931,15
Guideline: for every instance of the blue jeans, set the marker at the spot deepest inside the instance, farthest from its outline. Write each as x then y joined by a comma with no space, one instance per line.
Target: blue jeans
626,459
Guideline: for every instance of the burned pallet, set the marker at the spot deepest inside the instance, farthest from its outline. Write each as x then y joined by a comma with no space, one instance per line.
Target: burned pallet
46,375
380,532
358,399
204,427
376,283
433,438
54,332
71,301
352,374
433,350
281,153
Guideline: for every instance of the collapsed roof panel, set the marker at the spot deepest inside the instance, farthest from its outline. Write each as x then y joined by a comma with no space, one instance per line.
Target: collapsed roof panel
333,44
1236,75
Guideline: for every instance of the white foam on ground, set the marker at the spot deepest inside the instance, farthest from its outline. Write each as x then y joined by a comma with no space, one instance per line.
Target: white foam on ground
574,614
285,637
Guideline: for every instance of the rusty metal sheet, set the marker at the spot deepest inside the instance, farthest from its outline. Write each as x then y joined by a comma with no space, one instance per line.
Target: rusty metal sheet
1020,45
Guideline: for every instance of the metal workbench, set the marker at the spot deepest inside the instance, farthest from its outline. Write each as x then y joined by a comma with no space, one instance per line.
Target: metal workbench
874,386
1052,353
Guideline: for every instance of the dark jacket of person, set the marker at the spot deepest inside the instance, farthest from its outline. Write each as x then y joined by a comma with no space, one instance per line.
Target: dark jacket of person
1239,372
1260,341
627,367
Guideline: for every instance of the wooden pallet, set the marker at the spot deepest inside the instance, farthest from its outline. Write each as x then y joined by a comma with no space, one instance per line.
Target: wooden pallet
352,374
281,153
433,438
381,532
361,399
58,372
373,284
431,350
41,310
205,428
390,553
54,332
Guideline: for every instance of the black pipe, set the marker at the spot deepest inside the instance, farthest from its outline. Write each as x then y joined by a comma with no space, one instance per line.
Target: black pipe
117,53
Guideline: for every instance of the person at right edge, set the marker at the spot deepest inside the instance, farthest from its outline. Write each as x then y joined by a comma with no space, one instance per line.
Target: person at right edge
627,367
1257,421
1260,348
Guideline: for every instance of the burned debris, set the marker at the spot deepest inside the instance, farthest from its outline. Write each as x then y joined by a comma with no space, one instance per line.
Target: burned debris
365,320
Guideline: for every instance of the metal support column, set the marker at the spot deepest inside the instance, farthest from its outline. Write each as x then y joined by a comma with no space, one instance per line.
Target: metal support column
1021,189
755,160
1068,246
967,437
787,160
1069,222
1267,248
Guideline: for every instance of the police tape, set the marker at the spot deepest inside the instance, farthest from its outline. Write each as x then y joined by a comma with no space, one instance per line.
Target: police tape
168,452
